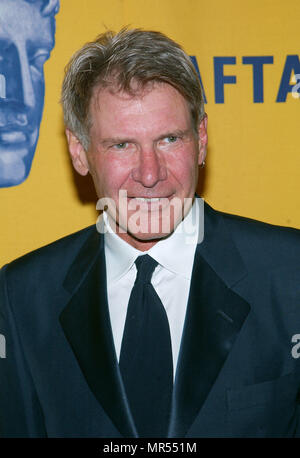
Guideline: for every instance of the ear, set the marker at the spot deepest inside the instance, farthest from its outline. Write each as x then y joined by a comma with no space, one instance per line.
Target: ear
202,136
78,154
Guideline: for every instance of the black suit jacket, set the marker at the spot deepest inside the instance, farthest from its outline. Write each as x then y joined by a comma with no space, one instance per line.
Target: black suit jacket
236,374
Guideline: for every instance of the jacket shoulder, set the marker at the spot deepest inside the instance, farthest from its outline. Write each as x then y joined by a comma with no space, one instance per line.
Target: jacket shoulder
53,257
274,245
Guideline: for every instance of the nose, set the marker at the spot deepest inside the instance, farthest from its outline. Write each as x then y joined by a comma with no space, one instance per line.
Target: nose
27,84
150,169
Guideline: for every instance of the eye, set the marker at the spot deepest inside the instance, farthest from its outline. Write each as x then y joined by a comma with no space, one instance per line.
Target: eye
38,60
127,147
168,141
121,145
171,139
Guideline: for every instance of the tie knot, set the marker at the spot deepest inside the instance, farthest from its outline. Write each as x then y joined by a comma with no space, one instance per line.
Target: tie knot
145,267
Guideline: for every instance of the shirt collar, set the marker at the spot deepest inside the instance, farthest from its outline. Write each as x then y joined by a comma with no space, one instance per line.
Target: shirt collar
175,253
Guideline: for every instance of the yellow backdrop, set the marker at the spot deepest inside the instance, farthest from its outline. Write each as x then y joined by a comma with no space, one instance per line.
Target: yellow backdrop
253,166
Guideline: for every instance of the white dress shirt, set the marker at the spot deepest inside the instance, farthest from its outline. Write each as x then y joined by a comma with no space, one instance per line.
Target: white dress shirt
171,278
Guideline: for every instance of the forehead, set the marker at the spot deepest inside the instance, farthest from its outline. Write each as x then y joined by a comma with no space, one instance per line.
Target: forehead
21,21
157,105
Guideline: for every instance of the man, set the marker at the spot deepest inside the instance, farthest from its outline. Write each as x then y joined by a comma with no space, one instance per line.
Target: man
202,342
27,30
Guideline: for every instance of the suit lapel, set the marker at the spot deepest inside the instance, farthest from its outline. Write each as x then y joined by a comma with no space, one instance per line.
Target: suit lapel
215,315
86,324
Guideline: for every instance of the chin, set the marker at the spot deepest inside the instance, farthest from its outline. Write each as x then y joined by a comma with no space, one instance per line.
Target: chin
12,170
150,237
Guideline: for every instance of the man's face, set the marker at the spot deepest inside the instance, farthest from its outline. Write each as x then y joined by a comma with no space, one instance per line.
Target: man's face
26,39
144,145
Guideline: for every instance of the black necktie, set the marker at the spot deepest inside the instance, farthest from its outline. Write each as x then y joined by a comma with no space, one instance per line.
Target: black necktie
146,355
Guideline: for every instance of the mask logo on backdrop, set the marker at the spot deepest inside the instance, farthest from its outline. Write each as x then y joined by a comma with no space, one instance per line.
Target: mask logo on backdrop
27,29
290,73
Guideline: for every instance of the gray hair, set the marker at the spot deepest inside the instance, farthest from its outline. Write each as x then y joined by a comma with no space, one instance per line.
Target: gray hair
48,7
118,60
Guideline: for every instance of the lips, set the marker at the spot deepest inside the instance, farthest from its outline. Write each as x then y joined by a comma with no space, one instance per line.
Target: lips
17,141
13,137
148,199
14,143
151,198
148,203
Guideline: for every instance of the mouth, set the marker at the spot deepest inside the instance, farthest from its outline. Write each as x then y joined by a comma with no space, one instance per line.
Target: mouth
148,199
13,136
17,141
149,203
